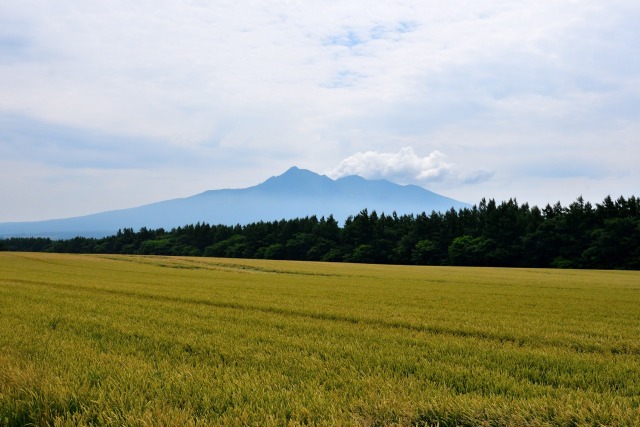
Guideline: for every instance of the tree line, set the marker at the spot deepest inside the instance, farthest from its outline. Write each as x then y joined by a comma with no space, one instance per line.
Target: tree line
604,236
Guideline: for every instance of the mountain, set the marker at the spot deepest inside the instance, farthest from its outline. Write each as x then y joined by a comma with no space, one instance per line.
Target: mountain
295,193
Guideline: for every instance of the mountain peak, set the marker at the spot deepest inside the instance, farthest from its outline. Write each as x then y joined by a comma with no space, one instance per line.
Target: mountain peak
296,171
294,194
296,180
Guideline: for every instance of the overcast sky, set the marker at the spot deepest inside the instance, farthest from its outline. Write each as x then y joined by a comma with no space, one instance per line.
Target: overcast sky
114,104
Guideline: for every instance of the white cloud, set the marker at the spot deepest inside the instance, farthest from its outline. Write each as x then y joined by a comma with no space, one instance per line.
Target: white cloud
178,70
405,167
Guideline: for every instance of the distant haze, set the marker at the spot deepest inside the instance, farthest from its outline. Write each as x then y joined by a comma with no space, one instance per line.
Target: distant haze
295,194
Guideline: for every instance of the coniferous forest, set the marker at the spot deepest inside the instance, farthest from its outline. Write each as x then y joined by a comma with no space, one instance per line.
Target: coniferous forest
604,236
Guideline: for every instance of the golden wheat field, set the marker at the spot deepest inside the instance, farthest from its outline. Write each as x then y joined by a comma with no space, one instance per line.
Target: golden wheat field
142,341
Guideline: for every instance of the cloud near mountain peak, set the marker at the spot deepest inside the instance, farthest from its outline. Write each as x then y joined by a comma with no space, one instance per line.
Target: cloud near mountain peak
404,167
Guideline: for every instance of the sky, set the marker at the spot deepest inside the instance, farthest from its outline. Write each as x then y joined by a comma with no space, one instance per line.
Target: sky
114,104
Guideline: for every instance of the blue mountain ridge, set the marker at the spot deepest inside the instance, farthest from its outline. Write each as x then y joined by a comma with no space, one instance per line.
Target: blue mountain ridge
294,194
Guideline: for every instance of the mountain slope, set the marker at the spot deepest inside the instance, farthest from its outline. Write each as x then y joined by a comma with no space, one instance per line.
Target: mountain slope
296,193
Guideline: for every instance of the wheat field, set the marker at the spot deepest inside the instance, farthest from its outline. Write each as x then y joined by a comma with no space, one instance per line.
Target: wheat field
142,341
